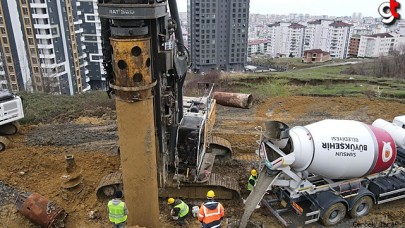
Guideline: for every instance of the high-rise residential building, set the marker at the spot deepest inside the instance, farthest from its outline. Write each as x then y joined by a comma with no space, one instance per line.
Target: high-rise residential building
316,34
286,39
330,36
20,63
42,46
89,20
218,33
381,44
339,39
354,46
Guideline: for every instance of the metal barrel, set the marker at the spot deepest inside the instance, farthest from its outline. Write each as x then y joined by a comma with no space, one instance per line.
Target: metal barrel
238,100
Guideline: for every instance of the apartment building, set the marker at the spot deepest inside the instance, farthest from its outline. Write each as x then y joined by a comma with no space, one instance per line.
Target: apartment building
316,34
218,34
286,39
338,39
20,68
354,46
59,37
257,47
380,44
41,46
89,21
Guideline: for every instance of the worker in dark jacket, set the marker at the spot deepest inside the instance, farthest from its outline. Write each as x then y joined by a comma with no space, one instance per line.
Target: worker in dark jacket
180,210
252,180
211,212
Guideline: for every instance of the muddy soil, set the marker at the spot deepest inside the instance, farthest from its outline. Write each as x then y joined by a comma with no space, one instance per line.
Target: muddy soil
36,162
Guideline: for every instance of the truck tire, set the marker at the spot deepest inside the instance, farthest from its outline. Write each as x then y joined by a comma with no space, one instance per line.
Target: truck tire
334,214
362,207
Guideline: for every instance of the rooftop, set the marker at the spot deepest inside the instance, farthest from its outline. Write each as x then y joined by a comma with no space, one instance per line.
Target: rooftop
313,51
340,24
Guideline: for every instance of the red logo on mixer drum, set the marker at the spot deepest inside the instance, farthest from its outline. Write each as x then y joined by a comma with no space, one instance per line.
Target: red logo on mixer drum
389,11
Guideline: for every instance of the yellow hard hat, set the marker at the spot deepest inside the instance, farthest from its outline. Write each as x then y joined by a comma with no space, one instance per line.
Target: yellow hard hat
253,172
170,201
210,194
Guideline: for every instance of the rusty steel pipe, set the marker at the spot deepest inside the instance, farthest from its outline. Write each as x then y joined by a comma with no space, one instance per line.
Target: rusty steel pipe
238,100
40,210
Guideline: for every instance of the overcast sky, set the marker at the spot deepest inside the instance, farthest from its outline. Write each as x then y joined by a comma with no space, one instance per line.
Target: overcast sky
313,7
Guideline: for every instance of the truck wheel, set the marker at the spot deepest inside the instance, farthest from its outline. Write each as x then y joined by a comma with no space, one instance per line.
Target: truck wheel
361,207
334,214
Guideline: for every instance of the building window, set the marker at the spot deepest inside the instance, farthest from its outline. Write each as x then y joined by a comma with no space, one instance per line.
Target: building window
25,11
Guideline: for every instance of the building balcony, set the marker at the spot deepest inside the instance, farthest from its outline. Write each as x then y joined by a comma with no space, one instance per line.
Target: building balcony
87,79
83,47
45,46
86,71
47,56
48,65
79,12
44,36
88,87
38,5
42,26
78,22
40,16
3,73
77,3
79,31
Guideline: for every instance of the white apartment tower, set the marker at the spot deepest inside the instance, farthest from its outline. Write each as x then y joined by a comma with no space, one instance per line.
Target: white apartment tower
339,39
286,39
380,44
316,34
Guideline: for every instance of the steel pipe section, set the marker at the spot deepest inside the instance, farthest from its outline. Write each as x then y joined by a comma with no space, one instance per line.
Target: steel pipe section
238,100
40,210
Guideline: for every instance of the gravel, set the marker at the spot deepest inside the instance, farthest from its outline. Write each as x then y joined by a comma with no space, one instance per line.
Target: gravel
7,194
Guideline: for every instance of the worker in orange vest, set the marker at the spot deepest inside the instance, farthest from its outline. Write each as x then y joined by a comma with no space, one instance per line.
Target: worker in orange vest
211,212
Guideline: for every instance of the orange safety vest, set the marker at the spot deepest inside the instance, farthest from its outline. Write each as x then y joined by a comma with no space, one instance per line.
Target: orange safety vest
211,216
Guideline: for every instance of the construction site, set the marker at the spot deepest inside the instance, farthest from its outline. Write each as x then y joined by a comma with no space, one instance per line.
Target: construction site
325,145
36,162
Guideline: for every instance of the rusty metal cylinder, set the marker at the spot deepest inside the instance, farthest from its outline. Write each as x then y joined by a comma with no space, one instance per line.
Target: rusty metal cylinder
40,210
238,100
131,64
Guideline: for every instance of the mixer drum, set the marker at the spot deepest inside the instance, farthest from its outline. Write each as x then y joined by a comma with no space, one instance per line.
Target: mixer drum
342,149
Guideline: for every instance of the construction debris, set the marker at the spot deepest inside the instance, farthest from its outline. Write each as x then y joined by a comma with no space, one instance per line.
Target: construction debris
238,100
40,210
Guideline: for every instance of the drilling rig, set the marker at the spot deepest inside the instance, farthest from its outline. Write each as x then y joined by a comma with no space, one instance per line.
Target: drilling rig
165,143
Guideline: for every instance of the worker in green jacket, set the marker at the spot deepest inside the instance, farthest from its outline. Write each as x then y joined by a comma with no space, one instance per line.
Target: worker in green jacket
252,180
180,210
117,211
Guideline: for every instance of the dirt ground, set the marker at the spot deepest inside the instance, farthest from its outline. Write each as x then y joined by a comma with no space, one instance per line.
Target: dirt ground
36,161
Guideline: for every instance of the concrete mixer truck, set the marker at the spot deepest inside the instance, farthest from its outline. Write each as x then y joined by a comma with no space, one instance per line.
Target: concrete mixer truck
325,170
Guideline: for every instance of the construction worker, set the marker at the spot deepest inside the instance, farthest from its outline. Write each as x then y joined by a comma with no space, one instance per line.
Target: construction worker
117,211
252,180
180,210
211,213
